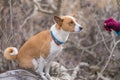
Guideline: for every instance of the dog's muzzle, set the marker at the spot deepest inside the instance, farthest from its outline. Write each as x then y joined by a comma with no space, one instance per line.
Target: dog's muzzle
80,28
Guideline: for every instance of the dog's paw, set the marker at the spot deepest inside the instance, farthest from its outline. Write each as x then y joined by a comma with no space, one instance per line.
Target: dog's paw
44,77
48,76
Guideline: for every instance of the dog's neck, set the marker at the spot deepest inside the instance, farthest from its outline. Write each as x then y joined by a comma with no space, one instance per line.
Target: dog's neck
61,35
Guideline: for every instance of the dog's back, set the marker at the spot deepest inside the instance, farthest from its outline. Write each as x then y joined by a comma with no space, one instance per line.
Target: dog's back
36,46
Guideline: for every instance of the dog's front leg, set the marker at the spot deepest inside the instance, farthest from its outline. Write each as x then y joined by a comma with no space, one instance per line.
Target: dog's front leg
39,66
47,68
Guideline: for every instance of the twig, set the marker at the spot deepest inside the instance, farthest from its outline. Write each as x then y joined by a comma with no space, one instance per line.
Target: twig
101,34
3,32
11,16
111,53
102,37
26,19
51,2
77,67
11,21
95,44
37,6
113,39
10,36
102,77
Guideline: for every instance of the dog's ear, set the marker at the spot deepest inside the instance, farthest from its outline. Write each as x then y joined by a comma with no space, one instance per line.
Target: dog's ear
58,20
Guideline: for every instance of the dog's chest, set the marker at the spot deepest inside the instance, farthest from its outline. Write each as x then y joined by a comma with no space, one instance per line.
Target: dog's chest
54,50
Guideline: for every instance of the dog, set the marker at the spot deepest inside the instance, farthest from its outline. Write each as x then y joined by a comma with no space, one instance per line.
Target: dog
111,24
43,47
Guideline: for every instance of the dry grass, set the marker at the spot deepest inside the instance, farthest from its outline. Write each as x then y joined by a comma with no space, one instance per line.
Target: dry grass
20,19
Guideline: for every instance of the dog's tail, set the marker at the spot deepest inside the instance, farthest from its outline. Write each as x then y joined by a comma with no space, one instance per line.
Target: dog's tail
11,53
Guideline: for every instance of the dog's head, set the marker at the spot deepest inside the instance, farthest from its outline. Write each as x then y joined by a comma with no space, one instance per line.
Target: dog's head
67,23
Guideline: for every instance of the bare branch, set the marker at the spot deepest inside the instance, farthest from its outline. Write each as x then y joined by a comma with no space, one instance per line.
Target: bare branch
11,16
38,8
103,77
51,2
26,19
102,36
111,54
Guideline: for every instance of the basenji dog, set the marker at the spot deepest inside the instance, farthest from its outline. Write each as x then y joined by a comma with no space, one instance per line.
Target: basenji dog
43,47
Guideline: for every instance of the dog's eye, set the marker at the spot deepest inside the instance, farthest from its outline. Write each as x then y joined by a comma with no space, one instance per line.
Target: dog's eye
71,23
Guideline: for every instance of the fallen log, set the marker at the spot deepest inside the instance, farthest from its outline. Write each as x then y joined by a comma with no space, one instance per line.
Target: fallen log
57,72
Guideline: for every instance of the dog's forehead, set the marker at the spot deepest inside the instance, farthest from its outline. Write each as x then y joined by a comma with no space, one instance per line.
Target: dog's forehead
68,18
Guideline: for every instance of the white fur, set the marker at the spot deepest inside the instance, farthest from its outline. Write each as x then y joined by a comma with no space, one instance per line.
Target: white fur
54,49
35,63
39,66
15,51
77,27
40,63
62,36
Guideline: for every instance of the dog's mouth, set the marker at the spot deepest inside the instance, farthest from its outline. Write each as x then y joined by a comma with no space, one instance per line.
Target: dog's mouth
77,31
80,28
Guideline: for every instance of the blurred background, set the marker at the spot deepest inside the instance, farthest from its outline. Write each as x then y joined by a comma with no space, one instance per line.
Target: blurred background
21,19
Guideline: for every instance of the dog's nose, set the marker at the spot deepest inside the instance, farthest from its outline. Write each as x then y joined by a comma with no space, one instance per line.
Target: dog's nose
80,28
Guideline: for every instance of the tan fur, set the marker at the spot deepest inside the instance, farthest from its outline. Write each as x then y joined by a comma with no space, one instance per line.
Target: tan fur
67,24
39,44
36,46
7,54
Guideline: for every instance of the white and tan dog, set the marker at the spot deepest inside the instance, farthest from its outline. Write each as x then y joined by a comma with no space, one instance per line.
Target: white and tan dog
43,47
